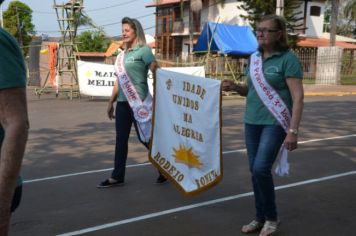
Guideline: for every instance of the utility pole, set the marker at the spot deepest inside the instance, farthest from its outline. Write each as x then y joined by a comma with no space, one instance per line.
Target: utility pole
334,14
191,31
1,17
280,8
19,27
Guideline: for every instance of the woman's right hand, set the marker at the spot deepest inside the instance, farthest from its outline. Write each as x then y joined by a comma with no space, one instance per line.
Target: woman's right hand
110,110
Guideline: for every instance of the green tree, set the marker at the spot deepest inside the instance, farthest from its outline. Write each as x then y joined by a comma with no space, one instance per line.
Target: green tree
18,21
350,10
92,41
82,19
75,11
350,14
257,8
346,20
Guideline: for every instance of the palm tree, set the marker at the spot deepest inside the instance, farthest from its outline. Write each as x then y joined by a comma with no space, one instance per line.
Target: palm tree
350,9
350,12
81,18
195,8
333,24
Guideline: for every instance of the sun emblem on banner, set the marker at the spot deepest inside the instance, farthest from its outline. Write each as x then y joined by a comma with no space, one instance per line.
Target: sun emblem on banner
187,157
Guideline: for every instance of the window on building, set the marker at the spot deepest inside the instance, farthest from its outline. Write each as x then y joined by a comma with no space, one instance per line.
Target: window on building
177,13
315,11
164,25
159,26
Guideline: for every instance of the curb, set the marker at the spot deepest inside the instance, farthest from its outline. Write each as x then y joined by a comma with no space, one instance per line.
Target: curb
232,97
307,94
326,94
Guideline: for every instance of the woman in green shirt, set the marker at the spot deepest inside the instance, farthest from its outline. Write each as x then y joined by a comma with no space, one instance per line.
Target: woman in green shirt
265,131
138,59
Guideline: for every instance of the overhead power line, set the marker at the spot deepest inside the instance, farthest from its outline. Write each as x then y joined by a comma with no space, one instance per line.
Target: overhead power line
90,10
88,28
116,5
103,8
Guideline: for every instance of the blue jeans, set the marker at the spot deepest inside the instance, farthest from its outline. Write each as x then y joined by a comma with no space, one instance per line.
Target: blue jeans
263,143
123,122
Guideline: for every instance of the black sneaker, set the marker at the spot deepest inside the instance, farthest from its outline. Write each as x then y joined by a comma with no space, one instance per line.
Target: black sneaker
161,179
108,184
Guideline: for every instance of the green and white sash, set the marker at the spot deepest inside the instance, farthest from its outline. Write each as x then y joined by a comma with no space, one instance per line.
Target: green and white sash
142,110
275,105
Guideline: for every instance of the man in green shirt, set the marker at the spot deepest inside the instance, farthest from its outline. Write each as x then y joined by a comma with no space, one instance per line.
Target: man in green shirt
13,122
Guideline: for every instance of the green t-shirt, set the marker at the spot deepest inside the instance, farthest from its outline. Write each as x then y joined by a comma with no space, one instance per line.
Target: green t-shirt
137,62
277,69
12,66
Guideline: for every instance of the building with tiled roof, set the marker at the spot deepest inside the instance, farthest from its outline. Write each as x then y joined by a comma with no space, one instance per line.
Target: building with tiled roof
173,37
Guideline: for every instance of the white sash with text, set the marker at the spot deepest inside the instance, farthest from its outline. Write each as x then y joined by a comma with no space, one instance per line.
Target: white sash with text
275,105
142,110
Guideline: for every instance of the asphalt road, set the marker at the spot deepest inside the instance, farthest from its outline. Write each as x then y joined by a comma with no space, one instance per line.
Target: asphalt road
70,150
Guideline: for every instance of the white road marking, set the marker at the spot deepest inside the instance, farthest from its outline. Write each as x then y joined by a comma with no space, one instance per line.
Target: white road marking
148,163
331,138
206,203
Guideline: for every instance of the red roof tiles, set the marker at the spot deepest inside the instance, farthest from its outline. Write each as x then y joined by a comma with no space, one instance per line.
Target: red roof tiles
322,42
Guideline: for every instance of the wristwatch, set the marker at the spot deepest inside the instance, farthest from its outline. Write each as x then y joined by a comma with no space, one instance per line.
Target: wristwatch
293,131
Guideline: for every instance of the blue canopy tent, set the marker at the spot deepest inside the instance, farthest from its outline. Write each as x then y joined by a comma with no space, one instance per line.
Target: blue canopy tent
226,39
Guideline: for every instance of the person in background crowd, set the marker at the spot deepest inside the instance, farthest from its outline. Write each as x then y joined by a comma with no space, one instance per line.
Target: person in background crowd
275,74
134,62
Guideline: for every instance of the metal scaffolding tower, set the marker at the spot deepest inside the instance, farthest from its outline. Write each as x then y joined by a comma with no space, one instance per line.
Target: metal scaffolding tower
67,17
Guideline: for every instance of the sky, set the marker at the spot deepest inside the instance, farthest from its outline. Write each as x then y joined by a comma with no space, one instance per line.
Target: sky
106,13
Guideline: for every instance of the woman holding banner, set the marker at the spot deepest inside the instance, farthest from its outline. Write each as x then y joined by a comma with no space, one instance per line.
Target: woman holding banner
133,101
274,107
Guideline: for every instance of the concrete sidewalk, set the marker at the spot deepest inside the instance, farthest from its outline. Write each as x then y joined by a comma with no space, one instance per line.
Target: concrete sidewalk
314,90
329,90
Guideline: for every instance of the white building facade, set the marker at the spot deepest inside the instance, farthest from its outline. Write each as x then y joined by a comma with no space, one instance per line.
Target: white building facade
173,37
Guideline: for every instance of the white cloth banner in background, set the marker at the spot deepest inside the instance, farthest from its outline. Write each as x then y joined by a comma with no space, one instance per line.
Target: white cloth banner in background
95,79
186,141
